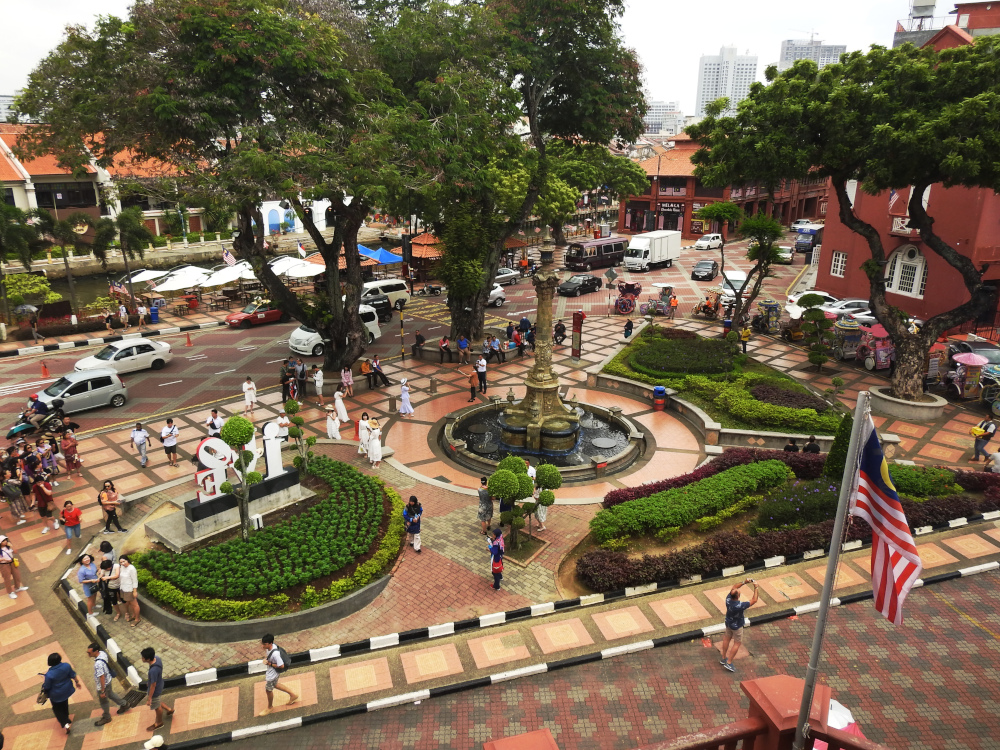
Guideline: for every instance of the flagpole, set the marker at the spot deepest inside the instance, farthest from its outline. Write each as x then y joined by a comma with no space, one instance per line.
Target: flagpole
846,485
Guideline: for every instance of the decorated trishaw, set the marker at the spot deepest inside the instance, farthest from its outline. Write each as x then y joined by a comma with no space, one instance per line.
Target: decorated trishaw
628,293
711,304
768,319
935,365
964,382
658,304
875,350
846,338
989,395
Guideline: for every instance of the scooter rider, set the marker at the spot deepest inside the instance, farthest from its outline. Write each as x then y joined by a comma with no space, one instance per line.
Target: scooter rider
36,411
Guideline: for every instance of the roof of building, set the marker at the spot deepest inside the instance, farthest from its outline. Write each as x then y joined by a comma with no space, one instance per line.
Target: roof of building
949,36
43,166
512,242
425,239
673,163
8,171
127,164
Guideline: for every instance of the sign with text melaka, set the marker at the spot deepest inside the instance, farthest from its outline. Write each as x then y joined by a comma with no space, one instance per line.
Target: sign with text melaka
217,457
578,318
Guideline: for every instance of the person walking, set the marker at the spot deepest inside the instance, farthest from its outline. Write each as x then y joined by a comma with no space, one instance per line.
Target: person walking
444,347
168,436
481,374
673,306
983,432
285,378
104,683
58,686
374,443
473,380
811,445
317,378
412,514
347,380
123,316
745,337
44,502
377,371
35,335
71,453
463,349
524,325
108,317
363,433
485,512
340,406
89,580
10,568
110,502
405,407
249,396
70,517
495,547
140,310
154,679
129,590
12,493
274,664
301,375
139,439
214,424
733,636
332,423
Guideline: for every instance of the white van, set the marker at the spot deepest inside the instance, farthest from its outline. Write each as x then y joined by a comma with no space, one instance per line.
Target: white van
394,289
306,341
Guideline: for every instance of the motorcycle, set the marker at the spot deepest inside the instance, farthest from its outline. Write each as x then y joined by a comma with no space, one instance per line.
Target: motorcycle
50,423
429,290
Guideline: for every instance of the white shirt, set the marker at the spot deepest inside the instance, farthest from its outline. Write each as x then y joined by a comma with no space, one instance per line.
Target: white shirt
214,425
318,380
283,424
122,312
169,435
481,365
532,472
272,660
129,578
141,310
139,436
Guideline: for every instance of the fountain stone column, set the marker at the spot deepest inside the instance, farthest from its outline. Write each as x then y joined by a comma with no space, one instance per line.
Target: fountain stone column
541,421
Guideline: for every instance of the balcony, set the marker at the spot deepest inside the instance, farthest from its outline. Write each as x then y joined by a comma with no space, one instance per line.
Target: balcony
925,24
900,227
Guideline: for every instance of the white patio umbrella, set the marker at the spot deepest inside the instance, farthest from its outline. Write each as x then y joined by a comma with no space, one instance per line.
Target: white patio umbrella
184,279
228,275
305,270
282,264
148,276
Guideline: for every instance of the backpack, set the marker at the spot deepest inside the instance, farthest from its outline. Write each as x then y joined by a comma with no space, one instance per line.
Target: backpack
498,565
286,660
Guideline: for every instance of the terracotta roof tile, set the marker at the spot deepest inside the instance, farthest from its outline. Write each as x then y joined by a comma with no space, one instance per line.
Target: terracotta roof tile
8,172
673,163
514,242
425,239
427,252
127,165
42,166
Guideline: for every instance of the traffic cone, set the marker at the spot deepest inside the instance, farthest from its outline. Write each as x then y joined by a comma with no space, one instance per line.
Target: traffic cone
188,340
45,370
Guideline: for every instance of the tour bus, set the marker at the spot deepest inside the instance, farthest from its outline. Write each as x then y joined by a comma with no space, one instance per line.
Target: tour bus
599,253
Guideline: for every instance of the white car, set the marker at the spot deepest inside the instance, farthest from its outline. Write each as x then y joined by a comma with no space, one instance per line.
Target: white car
507,276
708,242
497,297
801,222
829,299
307,342
732,282
129,355
843,306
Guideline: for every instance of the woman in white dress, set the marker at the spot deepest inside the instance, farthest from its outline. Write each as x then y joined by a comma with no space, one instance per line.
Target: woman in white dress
363,430
332,424
249,397
283,424
404,399
374,443
338,402
318,382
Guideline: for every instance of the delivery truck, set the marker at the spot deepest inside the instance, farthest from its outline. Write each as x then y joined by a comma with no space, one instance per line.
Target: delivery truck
650,249
808,237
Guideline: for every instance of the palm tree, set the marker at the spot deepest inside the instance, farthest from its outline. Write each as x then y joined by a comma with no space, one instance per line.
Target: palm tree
133,235
65,233
18,237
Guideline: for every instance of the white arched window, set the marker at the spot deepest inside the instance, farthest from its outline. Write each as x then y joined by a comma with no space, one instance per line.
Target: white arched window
906,272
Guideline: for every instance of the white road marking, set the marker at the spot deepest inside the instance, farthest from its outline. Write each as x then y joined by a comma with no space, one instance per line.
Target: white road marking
223,372
10,390
172,382
271,362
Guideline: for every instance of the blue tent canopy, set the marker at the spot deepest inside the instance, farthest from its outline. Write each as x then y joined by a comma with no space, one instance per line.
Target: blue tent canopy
384,257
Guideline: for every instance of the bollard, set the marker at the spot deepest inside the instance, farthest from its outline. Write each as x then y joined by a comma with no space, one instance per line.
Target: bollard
392,403
434,385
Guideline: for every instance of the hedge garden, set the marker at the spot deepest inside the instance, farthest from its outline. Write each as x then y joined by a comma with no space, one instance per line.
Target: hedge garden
785,506
238,580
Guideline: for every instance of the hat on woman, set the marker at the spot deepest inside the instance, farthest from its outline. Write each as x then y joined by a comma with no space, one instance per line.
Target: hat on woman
403,381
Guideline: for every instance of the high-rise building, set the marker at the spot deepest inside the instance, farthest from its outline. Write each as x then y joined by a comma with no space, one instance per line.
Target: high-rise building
809,49
727,74
664,117
6,104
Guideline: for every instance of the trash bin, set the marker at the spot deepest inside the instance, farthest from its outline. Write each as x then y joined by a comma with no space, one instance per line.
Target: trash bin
659,398
154,314
727,326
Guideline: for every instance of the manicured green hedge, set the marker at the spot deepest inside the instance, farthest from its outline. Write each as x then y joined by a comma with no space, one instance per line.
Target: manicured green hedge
923,481
663,357
735,398
683,505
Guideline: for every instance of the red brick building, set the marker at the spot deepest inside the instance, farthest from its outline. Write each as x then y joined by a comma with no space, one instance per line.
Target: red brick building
674,196
917,280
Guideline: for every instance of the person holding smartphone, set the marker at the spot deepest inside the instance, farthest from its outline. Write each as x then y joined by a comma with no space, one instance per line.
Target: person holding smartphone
735,621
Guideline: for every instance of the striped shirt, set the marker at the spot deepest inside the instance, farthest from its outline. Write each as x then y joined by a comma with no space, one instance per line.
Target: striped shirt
101,668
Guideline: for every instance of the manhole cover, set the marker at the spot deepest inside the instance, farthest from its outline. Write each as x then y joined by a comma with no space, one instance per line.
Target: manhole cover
477,429
485,448
603,443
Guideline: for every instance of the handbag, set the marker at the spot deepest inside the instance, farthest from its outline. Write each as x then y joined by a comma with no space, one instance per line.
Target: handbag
43,695
17,563
498,565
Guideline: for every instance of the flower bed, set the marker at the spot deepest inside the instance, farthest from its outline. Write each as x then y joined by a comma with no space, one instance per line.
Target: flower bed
316,544
803,465
799,504
780,395
682,505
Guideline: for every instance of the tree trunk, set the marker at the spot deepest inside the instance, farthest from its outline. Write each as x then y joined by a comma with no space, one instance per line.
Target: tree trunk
69,281
558,235
243,499
128,275
908,374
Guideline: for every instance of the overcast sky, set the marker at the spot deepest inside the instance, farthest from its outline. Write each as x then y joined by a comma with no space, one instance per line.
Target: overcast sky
669,36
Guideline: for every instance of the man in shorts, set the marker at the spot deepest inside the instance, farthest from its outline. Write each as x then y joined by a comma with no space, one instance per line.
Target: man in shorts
272,658
734,622
155,681
168,436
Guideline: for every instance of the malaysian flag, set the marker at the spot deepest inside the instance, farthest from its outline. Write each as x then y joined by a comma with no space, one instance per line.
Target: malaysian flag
895,561
893,195
228,257
116,287
302,250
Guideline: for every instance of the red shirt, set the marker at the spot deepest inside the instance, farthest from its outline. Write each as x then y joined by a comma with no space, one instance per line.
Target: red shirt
72,517
43,498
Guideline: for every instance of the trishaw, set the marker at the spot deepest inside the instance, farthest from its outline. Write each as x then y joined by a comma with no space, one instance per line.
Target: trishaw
935,365
791,329
875,349
846,338
965,380
770,312
628,292
710,307
658,305
989,396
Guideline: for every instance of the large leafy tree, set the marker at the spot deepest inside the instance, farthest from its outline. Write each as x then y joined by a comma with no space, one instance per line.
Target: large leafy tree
18,239
890,119
225,92
762,231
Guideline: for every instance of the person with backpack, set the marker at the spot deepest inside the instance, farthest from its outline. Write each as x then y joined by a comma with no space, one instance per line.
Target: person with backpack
277,660
495,547
411,519
155,681
104,683
983,433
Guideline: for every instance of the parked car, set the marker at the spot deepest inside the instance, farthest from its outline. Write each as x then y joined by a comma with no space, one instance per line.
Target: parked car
705,270
381,304
128,356
507,276
306,341
600,253
708,242
87,389
497,297
785,254
793,299
843,306
801,222
257,313
395,289
982,348
867,318
732,282
580,283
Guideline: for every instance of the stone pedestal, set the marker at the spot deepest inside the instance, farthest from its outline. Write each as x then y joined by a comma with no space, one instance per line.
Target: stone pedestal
776,701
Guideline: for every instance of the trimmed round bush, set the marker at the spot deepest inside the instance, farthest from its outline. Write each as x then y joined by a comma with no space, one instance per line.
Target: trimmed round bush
546,498
525,486
513,463
237,432
548,477
503,484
